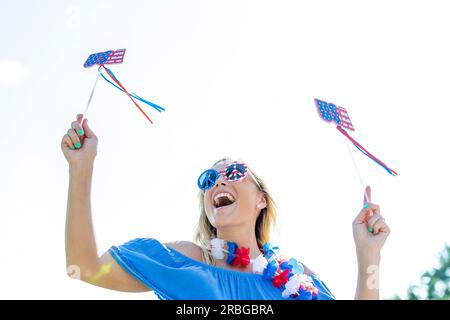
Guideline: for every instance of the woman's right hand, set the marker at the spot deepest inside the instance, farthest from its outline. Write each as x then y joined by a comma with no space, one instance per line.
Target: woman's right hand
79,144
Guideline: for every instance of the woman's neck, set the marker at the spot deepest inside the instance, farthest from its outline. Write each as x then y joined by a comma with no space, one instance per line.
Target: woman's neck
242,237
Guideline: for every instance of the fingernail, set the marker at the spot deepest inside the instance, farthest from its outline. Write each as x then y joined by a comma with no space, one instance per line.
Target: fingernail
78,145
80,132
72,147
366,206
370,230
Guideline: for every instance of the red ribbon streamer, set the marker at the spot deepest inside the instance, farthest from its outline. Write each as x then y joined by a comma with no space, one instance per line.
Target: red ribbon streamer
125,90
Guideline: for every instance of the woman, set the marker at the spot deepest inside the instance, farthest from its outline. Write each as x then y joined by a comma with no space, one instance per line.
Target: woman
232,259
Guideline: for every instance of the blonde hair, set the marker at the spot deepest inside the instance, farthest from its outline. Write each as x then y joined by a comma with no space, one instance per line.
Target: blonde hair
265,222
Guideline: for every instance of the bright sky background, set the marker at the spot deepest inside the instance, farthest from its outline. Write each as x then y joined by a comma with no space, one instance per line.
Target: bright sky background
237,78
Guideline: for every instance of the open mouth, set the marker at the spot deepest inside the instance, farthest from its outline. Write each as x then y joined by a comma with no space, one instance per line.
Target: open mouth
222,200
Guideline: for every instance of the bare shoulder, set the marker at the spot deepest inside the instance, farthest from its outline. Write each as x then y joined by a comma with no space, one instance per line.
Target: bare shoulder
187,248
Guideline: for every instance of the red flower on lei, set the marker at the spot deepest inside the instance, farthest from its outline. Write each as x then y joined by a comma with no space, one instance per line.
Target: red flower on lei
241,257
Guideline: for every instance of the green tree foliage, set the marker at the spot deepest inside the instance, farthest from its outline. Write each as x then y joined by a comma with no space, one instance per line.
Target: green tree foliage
434,284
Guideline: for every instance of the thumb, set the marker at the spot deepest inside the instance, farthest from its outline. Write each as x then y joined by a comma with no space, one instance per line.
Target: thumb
87,130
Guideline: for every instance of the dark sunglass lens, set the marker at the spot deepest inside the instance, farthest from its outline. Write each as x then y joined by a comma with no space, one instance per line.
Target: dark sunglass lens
207,179
235,171
241,168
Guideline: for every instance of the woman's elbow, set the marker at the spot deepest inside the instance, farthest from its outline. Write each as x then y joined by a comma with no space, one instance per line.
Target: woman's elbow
83,273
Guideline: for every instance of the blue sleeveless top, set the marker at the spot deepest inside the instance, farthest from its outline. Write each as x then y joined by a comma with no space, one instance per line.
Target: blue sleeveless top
175,276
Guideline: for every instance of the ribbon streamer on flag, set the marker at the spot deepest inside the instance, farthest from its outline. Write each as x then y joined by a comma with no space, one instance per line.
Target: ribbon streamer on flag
158,108
364,151
119,86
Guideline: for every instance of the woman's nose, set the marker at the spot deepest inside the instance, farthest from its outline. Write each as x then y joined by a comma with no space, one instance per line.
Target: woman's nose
221,181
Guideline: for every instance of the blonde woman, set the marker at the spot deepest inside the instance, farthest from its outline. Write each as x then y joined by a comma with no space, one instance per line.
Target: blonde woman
232,257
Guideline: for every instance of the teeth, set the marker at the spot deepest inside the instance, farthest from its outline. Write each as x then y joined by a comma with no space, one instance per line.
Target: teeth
223,194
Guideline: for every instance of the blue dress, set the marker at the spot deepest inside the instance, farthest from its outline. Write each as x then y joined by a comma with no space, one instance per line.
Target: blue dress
175,276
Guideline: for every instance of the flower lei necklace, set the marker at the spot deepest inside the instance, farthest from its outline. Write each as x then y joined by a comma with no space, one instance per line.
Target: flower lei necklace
286,274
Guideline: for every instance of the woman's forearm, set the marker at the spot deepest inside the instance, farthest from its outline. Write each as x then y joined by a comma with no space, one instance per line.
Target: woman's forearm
367,287
81,249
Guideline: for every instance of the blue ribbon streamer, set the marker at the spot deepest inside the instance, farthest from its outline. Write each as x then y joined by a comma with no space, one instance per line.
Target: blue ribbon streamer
155,106
368,155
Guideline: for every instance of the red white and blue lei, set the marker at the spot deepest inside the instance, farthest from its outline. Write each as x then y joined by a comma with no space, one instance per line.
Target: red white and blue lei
286,274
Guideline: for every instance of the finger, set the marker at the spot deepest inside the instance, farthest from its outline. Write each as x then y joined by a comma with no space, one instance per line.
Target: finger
80,118
372,221
367,195
67,142
366,213
87,130
377,225
74,137
384,228
373,210
77,127
363,216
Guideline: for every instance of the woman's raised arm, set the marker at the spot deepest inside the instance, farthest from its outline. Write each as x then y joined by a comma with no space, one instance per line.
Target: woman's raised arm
79,147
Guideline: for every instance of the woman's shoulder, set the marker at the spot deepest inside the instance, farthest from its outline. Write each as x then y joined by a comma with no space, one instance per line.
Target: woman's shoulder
149,245
188,248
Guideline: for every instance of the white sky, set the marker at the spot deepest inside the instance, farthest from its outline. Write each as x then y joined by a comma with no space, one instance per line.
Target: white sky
237,78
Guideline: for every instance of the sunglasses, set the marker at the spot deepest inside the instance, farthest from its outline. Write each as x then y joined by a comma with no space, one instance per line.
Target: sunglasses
234,172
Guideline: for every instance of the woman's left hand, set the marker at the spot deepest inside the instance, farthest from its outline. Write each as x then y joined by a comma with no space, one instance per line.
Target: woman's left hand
370,231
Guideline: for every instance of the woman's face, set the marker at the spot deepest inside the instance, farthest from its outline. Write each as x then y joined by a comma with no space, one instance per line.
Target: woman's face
232,203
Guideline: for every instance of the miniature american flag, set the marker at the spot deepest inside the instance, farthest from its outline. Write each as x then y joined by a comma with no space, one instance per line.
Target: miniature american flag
116,57
345,119
107,57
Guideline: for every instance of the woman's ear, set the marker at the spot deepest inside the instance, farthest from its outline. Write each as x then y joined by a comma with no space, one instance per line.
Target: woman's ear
262,202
